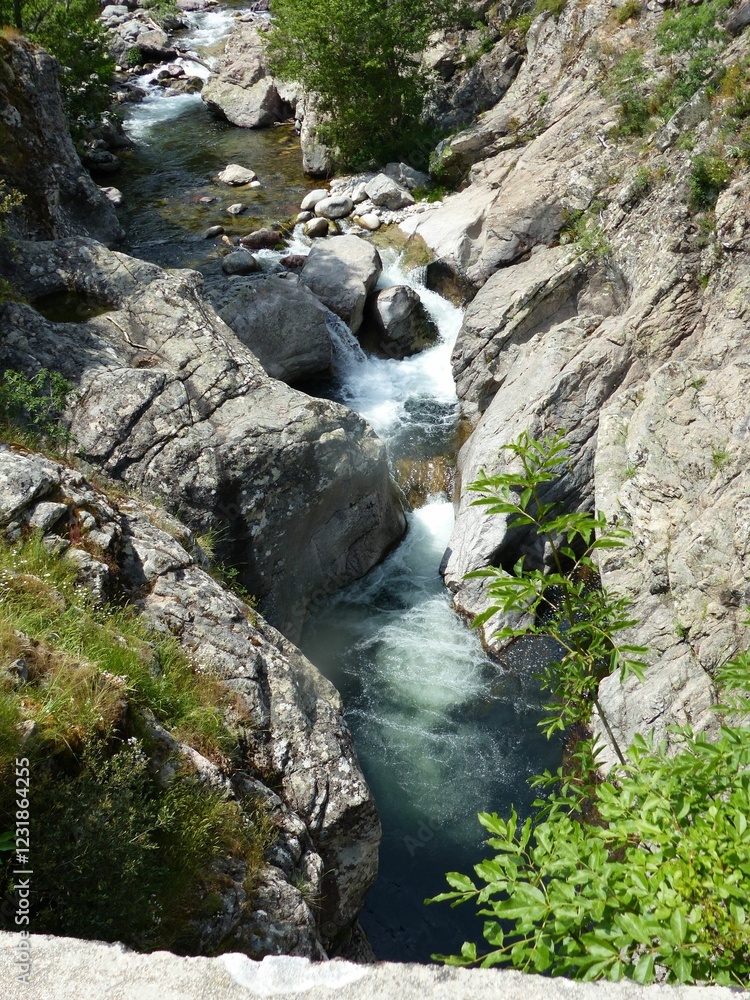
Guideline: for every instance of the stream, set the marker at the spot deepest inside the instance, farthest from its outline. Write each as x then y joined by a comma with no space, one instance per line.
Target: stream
441,732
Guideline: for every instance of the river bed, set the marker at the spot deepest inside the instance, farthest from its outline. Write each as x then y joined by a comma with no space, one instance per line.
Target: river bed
441,731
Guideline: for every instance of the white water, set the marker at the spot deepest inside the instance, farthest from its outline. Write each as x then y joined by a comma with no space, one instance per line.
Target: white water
207,28
380,388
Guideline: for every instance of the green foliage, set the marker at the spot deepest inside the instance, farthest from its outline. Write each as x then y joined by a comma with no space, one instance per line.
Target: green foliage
358,55
627,85
567,603
644,874
710,174
628,10
40,599
69,29
31,408
163,12
121,850
585,230
693,35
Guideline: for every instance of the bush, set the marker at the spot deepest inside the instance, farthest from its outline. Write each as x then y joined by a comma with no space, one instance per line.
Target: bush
358,56
72,33
31,408
710,174
641,875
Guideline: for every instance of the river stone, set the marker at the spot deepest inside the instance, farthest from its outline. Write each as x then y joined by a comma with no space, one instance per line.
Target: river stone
304,217
282,323
234,174
334,207
240,89
263,239
208,234
342,272
168,399
312,198
239,262
369,221
383,191
407,176
237,209
402,324
38,158
315,228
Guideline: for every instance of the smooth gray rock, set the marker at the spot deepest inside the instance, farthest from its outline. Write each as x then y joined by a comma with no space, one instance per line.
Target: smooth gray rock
407,176
401,322
236,209
369,221
342,272
39,160
317,158
316,228
312,198
513,302
235,175
334,207
241,89
239,262
385,192
170,400
282,323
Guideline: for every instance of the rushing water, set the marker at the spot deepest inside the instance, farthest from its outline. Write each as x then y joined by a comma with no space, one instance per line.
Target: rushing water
441,732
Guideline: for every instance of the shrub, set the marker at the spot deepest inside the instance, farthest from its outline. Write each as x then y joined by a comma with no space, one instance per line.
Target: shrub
628,10
71,31
710,174
31,408
644,872
358,56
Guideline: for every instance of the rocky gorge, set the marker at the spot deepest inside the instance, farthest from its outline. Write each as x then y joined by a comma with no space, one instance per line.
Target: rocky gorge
600,300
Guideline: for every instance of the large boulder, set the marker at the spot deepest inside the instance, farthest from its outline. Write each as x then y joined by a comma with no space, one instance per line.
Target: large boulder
281,321
241,89
38,158
342,271
401,323
286,718
386,192
170,400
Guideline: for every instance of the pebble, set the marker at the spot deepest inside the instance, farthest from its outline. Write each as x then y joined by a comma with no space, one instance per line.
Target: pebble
236,209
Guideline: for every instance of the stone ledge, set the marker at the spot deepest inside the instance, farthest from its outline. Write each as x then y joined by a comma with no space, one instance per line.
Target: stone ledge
67,968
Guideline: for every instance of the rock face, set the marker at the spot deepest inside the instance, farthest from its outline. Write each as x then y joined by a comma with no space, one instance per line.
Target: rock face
342,272
286,716
38,159
402,324
603,310
170,399
282,323
241,90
